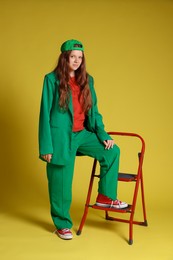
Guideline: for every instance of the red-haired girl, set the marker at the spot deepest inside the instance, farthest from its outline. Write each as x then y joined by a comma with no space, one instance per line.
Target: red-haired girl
71,125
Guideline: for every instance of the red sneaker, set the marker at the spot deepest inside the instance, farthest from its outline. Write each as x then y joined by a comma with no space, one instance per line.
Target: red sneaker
106,202
64,233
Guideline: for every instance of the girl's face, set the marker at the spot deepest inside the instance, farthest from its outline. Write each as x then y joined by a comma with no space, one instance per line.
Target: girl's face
75,60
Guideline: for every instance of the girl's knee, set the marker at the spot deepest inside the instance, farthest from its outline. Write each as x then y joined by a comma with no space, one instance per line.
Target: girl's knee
116,150
113,153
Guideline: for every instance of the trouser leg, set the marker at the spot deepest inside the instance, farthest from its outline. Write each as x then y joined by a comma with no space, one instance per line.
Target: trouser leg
108,159
60,193
60,177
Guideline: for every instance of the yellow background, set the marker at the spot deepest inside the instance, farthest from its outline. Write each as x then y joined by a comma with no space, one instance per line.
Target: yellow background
129,51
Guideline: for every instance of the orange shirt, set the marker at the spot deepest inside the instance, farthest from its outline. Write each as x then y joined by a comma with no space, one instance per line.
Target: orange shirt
79,116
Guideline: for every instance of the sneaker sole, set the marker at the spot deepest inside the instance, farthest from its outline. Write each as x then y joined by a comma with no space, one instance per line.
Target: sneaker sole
113,206
65,237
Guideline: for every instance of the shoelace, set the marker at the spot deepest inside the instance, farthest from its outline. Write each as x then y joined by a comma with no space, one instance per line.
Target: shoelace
63,229
112,203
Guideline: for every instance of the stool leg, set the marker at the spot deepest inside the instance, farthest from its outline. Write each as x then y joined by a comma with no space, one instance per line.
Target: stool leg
82,221
131,232
143,202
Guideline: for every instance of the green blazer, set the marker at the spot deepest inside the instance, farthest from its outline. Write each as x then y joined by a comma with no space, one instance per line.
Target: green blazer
55,126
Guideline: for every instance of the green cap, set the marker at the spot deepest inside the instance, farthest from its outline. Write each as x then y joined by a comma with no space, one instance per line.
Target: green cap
72,45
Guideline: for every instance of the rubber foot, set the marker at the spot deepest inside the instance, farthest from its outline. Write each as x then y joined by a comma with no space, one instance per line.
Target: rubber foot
146,223
130,242
78,232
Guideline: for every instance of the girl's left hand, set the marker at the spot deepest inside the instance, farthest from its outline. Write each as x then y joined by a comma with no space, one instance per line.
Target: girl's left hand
108,144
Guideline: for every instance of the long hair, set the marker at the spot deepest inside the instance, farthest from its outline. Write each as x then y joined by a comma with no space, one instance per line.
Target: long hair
81,77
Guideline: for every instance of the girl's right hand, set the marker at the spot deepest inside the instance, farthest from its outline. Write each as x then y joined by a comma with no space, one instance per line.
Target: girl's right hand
47,157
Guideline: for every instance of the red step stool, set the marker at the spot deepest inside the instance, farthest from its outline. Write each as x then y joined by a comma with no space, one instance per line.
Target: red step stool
124,177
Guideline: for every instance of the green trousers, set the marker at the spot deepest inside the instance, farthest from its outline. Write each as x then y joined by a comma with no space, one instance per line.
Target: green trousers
60,177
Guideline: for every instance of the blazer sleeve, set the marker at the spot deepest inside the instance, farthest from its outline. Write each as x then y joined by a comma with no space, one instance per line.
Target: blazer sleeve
45,139
99,126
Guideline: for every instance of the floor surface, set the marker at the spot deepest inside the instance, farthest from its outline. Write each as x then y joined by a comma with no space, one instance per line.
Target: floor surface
27,233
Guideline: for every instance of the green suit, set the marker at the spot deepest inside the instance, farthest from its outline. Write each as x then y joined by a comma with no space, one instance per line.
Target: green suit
55,127
56,138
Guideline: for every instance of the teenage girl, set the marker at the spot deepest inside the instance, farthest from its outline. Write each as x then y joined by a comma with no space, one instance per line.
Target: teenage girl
70,124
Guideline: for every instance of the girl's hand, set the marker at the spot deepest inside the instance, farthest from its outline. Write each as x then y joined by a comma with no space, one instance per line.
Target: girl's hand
47,157
108,144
